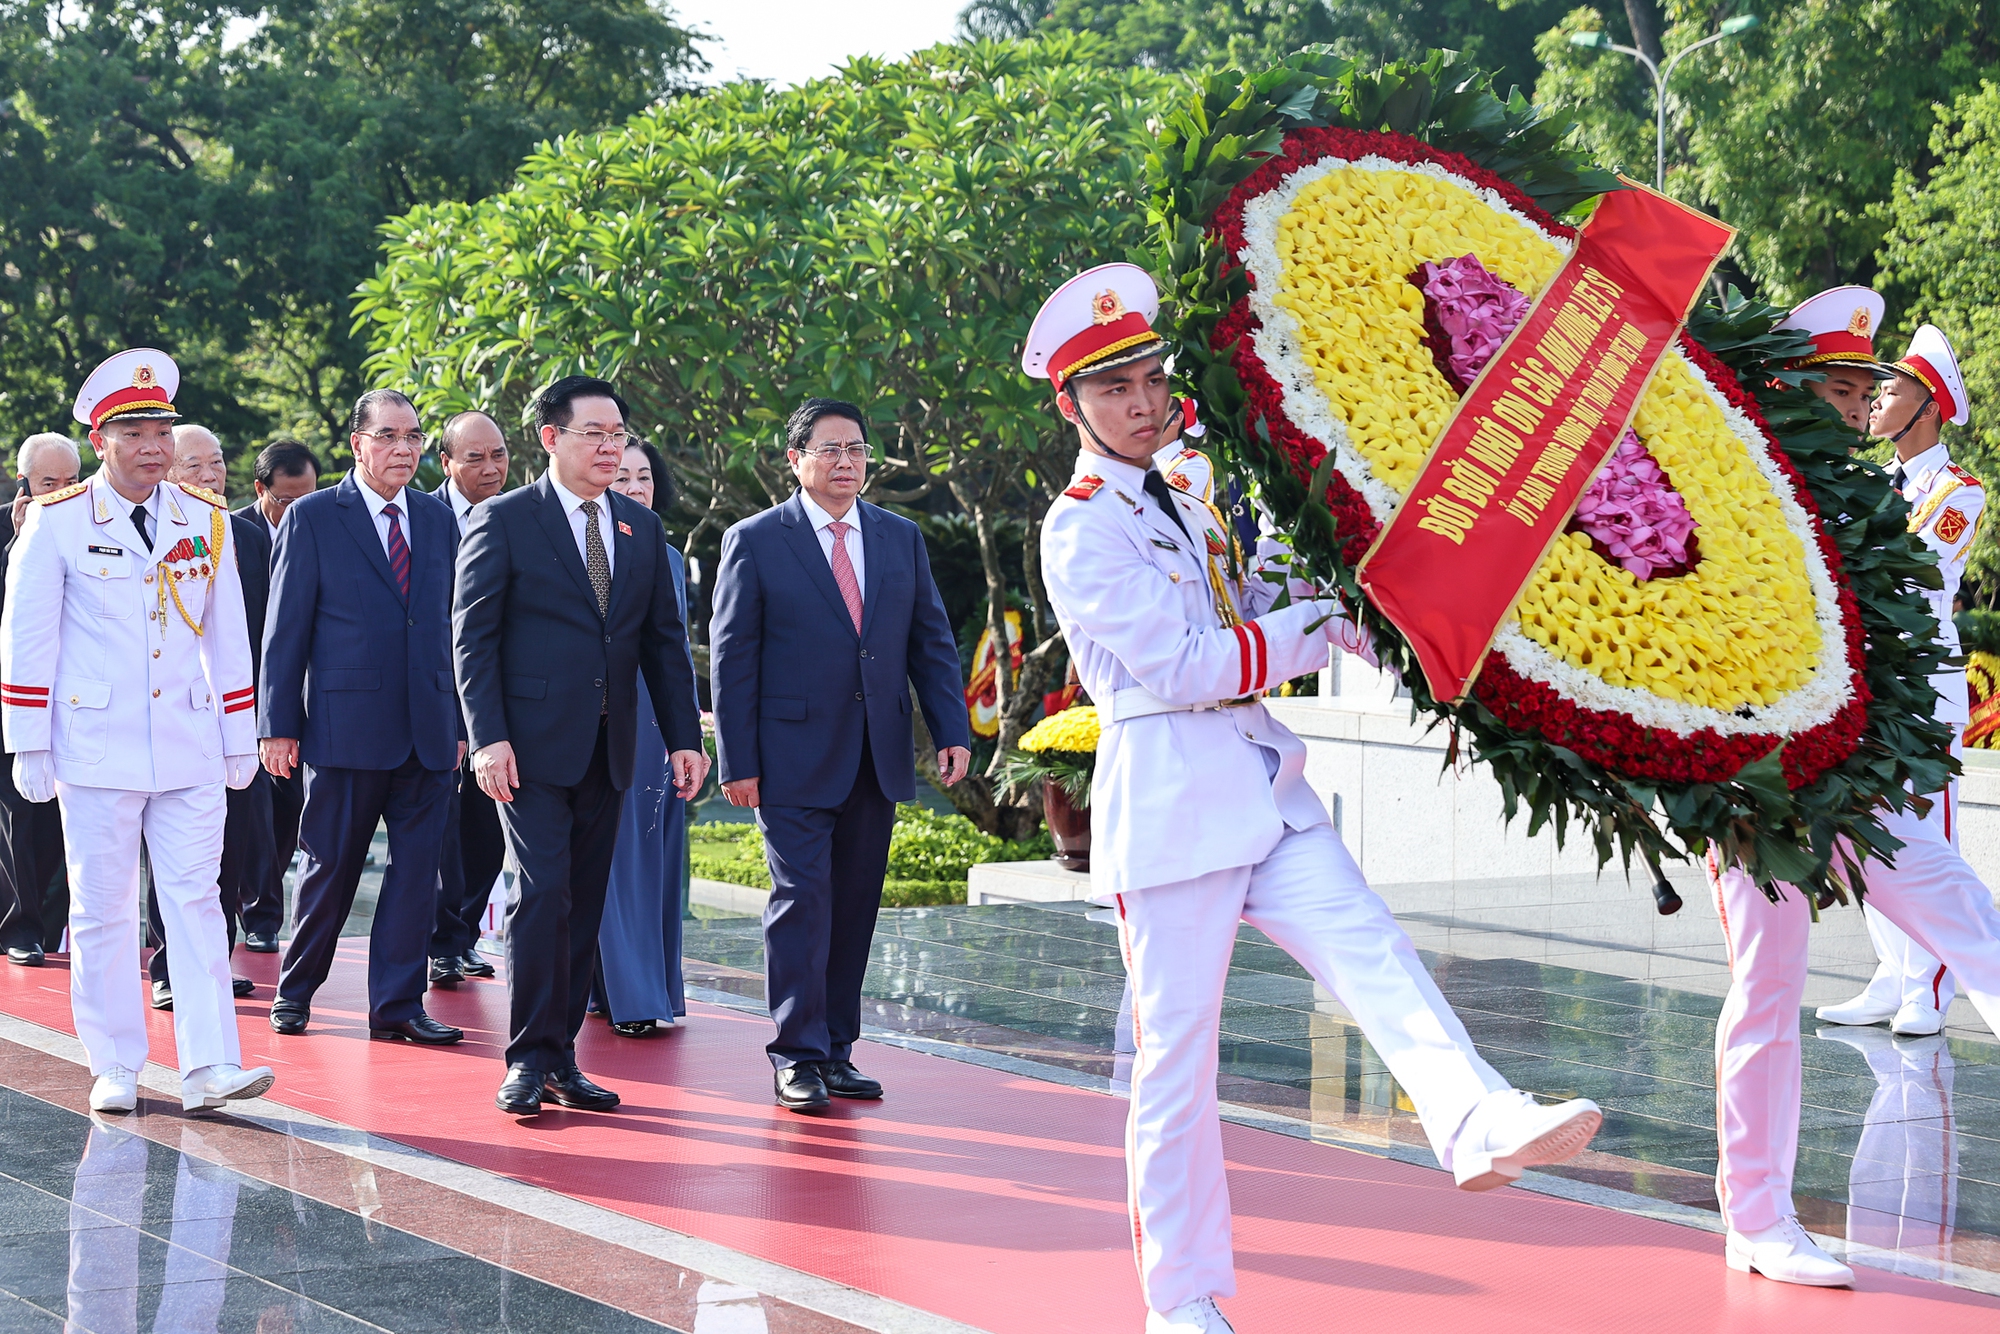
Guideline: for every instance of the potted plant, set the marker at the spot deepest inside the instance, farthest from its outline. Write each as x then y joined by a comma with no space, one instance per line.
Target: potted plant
1059,753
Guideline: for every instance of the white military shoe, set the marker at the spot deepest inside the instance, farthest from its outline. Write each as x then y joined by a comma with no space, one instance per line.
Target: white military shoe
1196,1317
1509,1131
1785,1253
1862,1010
1917,1020
214,1085
116,1090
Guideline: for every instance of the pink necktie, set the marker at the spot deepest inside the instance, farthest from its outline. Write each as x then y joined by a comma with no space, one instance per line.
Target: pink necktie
843,572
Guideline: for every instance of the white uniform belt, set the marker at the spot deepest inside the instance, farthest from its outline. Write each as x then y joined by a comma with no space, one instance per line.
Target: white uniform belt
1139,702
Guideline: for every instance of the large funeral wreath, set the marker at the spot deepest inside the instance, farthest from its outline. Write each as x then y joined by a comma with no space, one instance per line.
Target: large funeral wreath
1725,641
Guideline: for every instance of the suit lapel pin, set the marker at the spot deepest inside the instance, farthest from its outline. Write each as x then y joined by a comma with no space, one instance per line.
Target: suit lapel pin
625,528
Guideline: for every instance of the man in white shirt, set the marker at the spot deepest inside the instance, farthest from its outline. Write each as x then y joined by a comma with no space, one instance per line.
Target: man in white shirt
358,687
473,450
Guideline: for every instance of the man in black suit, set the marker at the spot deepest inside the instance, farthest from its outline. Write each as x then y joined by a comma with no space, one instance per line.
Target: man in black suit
31,841
473,450
285,470
825,616
357,685
565,600
247,844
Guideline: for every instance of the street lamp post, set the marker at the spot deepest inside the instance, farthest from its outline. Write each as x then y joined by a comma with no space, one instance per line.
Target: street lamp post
1598,41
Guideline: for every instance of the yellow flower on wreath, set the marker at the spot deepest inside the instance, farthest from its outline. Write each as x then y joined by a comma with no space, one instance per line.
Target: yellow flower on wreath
1726,635
1074,730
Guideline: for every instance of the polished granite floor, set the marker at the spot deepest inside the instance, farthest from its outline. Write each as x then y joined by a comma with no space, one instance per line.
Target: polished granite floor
1900,1142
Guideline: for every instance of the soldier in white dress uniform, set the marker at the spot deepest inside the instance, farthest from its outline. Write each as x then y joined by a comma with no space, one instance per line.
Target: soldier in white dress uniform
1911,991
1201,817
126,693
1929,892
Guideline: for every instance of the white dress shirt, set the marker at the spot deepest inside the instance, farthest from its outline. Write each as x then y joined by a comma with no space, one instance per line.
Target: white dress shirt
461,508
152,514
377,503
820,519
572,509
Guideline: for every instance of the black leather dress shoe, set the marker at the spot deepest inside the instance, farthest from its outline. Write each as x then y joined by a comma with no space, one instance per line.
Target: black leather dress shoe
287,1017
445,973
521,1094
800,1089
259,943
163,996
842,1080
241,987
28,956
637,1028
474,966
571,1089
422,1029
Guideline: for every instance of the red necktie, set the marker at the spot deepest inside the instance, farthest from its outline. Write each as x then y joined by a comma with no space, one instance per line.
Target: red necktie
399,553
843,571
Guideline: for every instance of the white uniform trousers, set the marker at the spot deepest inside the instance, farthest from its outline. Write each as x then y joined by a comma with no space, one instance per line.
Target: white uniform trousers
183,832
1904,970
1309,897
1933,895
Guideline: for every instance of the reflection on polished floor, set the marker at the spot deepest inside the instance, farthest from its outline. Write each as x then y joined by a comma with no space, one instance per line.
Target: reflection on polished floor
1899,1150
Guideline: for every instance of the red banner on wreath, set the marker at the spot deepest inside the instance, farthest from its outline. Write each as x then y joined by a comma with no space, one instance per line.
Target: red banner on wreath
1533,429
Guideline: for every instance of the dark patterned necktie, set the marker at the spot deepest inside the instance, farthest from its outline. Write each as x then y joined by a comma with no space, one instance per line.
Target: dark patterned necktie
399,553
594,559
143,521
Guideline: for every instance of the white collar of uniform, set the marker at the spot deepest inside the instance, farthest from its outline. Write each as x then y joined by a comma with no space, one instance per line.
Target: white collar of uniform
819,518
1115,471
1927,464
377,502
107,504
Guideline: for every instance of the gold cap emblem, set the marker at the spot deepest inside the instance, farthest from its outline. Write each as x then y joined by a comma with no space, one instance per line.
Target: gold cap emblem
1859,322
143,378
1106,307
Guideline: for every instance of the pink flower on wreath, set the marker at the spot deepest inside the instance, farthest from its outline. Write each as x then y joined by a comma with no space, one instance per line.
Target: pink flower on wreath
1631,512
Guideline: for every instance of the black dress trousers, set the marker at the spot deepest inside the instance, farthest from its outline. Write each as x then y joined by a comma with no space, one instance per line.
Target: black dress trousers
31,858
474,852
562,838
827,864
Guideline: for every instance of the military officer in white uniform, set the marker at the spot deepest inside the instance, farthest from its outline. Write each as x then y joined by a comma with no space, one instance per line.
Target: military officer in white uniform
1911,991
1930,892
1202,817
126,693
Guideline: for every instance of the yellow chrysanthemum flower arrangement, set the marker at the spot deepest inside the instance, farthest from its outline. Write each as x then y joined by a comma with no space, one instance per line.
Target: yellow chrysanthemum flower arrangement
1074,730
1060,749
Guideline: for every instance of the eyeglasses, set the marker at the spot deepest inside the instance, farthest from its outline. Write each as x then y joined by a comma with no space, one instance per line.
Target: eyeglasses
390,439
599,439
853,449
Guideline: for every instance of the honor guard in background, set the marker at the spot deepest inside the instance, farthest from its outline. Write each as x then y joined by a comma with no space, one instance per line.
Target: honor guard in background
1930,892
1202,817
125,689
1911,991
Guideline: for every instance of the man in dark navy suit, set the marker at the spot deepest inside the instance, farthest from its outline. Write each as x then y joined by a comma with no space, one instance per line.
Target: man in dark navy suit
357,684
825,616
565,599
285,471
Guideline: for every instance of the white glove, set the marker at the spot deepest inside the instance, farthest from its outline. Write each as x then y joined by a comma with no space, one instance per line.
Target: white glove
238,771
35,775
1352,638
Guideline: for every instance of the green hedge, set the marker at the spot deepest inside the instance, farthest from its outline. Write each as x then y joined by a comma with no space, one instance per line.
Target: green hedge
930,855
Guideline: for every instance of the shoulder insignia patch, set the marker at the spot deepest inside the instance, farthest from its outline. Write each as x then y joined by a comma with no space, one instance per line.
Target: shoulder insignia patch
1962,475
1083,488
69,492
200,493
1951,524
1187,454
1179,481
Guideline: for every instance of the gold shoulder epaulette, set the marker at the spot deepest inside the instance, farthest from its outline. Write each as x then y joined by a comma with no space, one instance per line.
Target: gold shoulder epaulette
202,493
1962,475
1083,488
69,492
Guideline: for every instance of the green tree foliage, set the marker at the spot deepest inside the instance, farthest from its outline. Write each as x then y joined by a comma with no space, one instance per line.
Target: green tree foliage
1495,35
884,235
161,185
1941,263
1794,132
